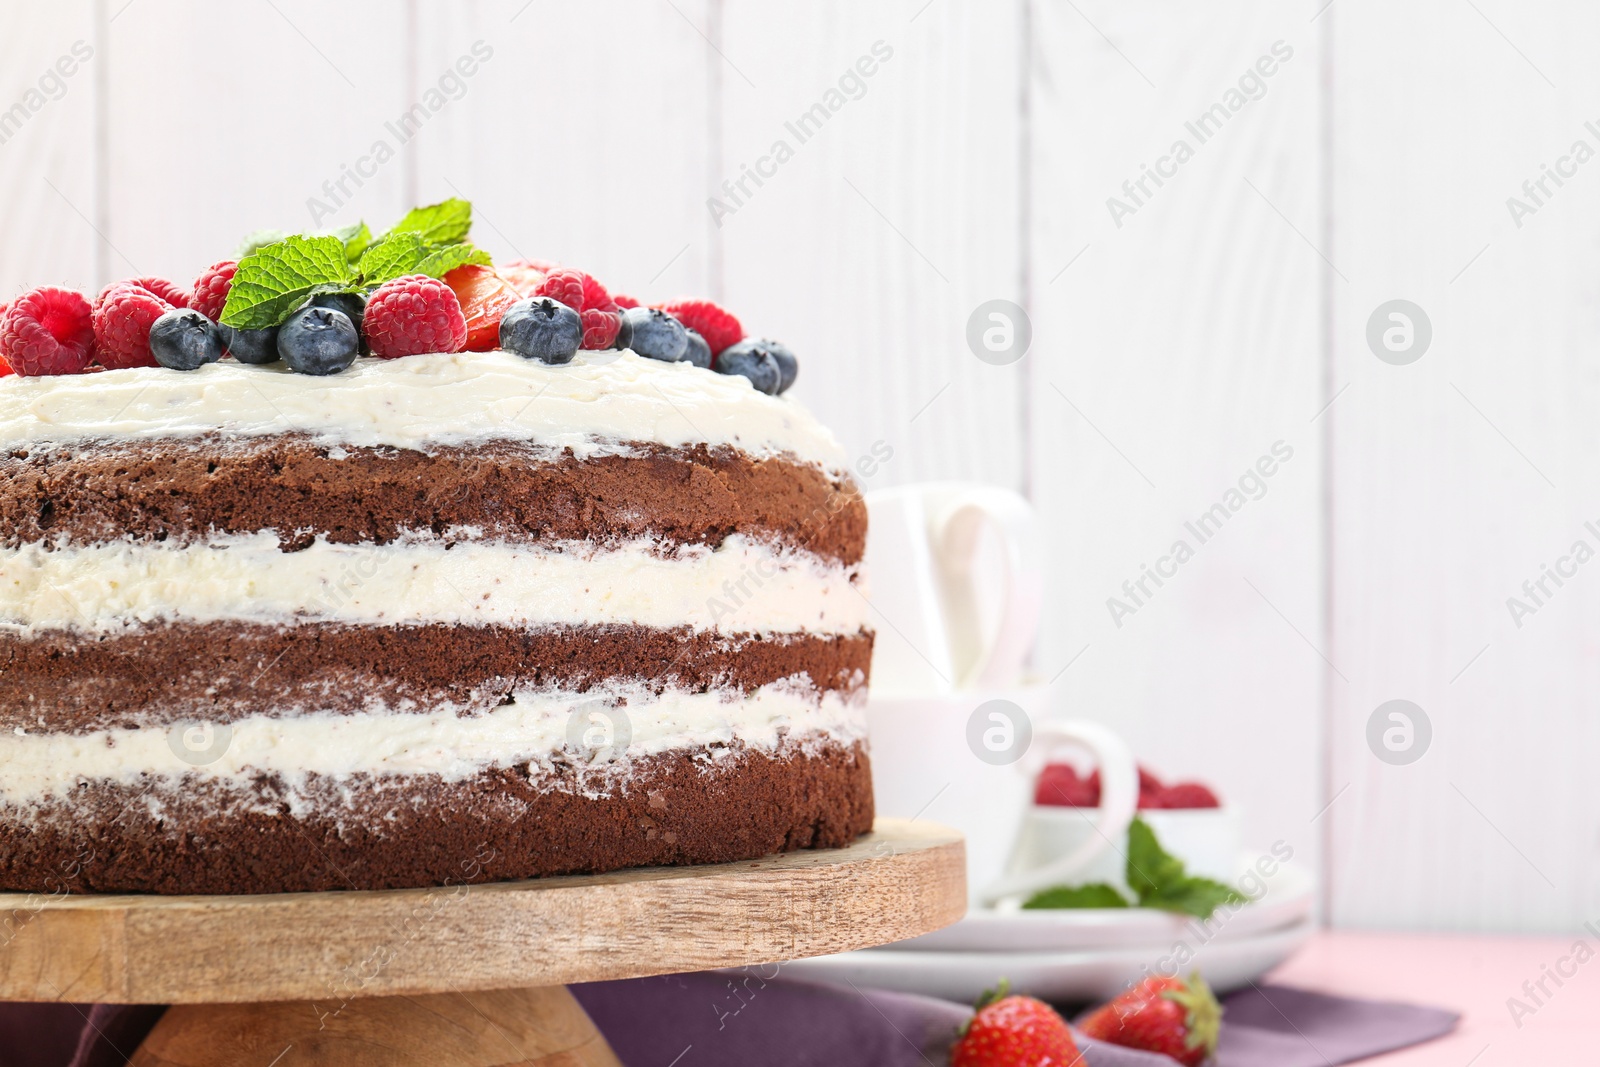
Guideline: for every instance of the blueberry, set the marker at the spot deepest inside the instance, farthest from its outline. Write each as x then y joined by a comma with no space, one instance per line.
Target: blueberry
653,334
698,352
251,346
749,360
317,340
185,340
543,329
354,306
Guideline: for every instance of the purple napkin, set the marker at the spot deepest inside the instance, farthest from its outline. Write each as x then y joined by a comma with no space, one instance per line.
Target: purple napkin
736,1018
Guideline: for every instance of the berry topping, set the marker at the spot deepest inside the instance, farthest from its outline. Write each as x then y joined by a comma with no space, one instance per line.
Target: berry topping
623,301
1014,1031
565,286
787,364
653,334
595,297
412,315
600,329
211,289
698,352
524,279
123,315
354,306
184,339
485,298
171,292
750,359
1169,1016
719,328
251,346
543,266
47,331
317,340
542,328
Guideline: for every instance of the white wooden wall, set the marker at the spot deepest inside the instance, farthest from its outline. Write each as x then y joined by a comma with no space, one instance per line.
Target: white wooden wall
1169,354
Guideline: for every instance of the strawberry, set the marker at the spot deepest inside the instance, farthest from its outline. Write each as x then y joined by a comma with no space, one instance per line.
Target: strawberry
1015,1031
485,297
524,277
1171,1016
1187,795
1060,785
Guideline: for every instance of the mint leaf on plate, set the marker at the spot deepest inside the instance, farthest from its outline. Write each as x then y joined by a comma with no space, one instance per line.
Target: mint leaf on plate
444,223
277,278
1196,896
1094,895
1160,880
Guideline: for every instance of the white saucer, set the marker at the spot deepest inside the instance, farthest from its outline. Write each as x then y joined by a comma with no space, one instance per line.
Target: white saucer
1289,897
1097,974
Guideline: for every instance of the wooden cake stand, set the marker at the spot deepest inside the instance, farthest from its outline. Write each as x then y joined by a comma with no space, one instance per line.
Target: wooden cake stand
466,976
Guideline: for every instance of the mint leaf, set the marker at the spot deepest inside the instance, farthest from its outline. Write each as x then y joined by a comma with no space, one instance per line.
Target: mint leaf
392,256
258,240
395,255
1192,896
1094,895
443,259
1150,867
274,280
356,239
439,224
1160,880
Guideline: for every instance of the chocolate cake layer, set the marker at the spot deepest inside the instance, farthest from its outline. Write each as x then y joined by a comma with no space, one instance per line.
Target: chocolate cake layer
404,833
65,682
185,489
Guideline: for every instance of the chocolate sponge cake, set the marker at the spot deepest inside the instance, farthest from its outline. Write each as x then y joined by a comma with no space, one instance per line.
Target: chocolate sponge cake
438,619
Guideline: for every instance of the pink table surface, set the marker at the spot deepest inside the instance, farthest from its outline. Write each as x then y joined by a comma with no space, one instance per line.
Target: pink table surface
1475,976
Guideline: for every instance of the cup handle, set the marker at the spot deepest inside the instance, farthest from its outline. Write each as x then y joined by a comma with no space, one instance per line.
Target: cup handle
1119,801
993,660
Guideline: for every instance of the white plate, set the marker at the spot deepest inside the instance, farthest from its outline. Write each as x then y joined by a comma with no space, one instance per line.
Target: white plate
1289,897
1059,976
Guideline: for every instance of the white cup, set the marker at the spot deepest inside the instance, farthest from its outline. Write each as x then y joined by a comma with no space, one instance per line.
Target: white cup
953,571
931,760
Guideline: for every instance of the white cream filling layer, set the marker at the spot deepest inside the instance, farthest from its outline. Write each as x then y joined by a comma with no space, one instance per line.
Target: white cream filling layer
593,405
742,586
604,730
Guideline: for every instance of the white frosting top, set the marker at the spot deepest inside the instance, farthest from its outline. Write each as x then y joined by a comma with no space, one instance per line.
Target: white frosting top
594,405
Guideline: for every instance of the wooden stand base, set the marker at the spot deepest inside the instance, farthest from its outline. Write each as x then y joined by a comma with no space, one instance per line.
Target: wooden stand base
503,1028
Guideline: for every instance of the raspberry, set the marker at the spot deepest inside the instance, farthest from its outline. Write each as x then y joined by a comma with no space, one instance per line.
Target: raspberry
211,289
1060,785
172,293
719,328
564,285
48,331
600,329
123,315
412,315
1187,795
624,302
5,368
595,297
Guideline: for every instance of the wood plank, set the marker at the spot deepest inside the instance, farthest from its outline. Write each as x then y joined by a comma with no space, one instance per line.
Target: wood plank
894,219
902,880
50,59
283,97
1460,476
1171,355
582,139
